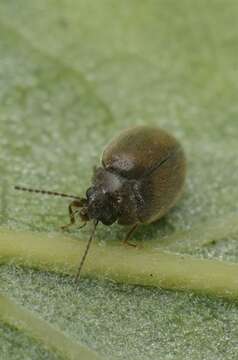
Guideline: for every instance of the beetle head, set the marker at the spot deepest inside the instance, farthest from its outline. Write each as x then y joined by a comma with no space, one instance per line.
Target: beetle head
101,206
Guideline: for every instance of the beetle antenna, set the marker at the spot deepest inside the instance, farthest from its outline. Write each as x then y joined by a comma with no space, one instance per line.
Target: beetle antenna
46,192
86,251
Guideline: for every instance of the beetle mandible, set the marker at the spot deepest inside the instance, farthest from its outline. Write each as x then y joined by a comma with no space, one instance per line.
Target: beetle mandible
141,177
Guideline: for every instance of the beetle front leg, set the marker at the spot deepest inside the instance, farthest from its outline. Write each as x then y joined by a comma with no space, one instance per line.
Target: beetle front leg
74,204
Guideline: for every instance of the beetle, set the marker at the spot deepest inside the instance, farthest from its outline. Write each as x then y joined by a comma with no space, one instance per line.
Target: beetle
140,179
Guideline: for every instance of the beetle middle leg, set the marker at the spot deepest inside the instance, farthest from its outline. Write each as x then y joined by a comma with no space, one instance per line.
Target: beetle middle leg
129,234
74,204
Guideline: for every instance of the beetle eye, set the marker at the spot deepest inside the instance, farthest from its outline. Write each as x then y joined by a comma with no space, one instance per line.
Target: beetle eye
90,191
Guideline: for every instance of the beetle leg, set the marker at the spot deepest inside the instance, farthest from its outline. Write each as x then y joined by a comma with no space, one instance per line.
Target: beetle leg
128,235
74,204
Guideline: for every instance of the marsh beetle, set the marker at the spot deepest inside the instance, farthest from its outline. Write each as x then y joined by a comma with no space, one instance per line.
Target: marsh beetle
141,177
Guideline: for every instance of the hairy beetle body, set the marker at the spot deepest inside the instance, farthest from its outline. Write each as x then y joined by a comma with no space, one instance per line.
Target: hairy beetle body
140,179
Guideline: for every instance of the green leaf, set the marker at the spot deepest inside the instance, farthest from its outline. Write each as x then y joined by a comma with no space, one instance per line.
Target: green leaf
72,75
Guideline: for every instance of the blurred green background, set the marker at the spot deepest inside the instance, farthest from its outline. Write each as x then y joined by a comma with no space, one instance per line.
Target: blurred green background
72,75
